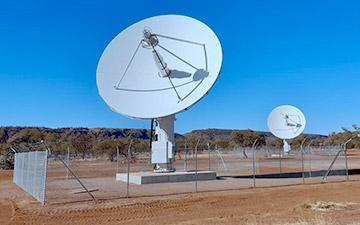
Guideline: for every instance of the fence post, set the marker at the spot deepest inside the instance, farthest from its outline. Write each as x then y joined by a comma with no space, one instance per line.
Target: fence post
302,160
196,166
280,161
310,169
68,162
309,147
254,168
128,170
185,158
209,157
346,159
117,159
34,183
45,177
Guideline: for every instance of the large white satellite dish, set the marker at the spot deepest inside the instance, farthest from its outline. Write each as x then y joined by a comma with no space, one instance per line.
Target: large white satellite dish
286,122
158,67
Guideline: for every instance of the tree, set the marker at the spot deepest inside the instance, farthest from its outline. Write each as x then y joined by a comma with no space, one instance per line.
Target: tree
198,144
274,142
27,135
53,140
109,147
296,142
341,137
246,139
138,145
3,135
6,157
82,145
223,143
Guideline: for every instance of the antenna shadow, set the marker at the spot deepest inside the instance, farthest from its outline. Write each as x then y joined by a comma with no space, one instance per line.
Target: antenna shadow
198,75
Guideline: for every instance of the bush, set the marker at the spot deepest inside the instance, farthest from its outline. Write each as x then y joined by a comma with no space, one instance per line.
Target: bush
6,158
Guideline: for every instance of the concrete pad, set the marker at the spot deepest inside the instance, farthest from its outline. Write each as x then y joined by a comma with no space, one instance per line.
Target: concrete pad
151,177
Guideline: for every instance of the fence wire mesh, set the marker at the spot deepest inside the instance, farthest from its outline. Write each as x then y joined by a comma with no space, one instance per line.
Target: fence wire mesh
30,170
236,168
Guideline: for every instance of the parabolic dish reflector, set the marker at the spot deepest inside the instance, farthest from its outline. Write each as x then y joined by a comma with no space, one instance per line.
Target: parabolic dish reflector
159,66
286,122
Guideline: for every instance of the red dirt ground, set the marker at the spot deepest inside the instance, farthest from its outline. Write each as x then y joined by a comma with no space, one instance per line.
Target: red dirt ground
337,202
281,205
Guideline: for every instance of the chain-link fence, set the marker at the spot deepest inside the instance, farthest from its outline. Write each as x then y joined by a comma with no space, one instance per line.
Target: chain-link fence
30,170
236,168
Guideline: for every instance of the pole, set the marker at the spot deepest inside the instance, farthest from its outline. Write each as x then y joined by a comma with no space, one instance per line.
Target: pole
167,156
302,160
68,162
77,178
196,166
12,149
331,165
209,156
185,158
221,158
280,161
45,177
309,147
254,168
117,159
346,159
310,169
128,170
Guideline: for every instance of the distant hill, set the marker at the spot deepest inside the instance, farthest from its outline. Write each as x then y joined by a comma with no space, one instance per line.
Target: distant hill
17,135
218,134
94,142
33,134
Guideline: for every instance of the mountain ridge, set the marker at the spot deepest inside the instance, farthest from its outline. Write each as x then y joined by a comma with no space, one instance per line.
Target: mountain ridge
16,134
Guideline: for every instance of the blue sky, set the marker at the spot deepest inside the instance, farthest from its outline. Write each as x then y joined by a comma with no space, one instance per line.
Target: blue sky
304,53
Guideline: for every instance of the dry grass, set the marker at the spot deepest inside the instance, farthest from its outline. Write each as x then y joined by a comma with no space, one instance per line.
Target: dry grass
321,206
317,221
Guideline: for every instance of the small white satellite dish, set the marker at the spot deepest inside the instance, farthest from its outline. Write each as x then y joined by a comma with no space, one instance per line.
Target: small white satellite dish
158,67
286,122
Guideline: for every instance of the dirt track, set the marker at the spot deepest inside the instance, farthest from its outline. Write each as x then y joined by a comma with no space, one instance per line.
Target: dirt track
282,205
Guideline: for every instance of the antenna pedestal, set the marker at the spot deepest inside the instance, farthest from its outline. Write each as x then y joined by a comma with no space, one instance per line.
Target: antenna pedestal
286,147
162,146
